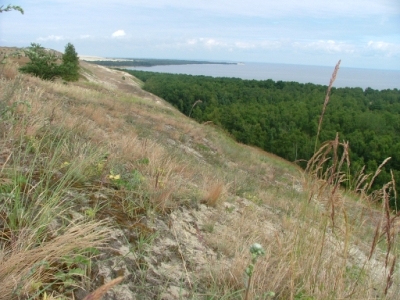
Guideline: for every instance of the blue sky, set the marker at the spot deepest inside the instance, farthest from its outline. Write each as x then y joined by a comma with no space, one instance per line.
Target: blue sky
363,33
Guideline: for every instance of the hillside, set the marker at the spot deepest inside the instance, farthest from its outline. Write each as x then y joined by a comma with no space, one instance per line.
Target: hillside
100,179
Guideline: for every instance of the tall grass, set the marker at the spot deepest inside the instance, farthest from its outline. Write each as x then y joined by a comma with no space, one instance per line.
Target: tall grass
39,165
323,245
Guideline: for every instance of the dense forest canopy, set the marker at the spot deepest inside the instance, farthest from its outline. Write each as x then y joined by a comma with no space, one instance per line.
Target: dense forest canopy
282,117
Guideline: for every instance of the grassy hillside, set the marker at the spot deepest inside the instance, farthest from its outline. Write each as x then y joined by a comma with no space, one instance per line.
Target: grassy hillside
100,180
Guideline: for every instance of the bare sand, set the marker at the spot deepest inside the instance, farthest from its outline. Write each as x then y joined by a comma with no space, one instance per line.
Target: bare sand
99,58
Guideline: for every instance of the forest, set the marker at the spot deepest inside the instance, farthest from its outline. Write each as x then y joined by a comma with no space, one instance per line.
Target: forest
282,117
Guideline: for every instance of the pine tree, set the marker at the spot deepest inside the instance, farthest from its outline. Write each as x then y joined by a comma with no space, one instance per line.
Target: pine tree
70,64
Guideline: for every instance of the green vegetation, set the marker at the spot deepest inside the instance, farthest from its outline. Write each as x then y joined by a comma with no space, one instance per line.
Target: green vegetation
10,8
282,117
45,63
256,251
70,64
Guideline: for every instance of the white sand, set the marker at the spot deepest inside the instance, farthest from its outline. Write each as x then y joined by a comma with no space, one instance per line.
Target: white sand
93,58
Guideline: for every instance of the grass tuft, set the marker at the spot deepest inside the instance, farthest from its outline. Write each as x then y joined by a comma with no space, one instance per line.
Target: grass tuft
214,194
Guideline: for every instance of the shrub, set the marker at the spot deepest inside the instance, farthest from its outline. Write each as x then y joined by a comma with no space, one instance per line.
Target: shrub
43,63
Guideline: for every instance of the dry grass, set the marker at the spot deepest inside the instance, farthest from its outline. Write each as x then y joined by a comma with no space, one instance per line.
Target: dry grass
43,162
23,269
8,71
319,243
305,255
214,192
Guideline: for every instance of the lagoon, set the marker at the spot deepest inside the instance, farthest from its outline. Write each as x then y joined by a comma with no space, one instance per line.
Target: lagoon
347,77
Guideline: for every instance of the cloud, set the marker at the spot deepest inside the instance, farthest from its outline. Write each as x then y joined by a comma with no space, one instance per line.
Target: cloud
379,45
118,33
52,38
84,36
191,42
310,46
388,49
329,46
244,45
212,43
209,43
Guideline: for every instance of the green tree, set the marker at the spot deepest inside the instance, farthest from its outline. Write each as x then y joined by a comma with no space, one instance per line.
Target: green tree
46,63
43,63
70,64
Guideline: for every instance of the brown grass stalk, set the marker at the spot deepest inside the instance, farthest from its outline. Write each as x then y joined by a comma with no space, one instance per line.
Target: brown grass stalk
333,78
394,189
389,279
194,104
379,170
101,291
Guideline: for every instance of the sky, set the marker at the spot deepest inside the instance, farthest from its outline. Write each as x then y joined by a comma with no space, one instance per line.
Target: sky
362,33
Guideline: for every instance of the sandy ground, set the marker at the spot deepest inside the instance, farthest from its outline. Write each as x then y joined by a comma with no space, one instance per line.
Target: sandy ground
99,58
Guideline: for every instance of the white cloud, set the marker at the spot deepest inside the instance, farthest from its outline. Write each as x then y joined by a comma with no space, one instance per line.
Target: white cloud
244,45
329,46
379,45
191,42
118,33
52,38
212,43
388,49
84,36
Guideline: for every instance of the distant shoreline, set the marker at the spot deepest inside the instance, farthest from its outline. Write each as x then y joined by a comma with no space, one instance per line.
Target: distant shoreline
347,77
145,62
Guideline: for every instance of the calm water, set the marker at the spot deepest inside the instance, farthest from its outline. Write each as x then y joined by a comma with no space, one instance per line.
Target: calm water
347,77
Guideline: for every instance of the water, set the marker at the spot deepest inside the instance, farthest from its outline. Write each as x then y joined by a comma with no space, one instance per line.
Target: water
347,77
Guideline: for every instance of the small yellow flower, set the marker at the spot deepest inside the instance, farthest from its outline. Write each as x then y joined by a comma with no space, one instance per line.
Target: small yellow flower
65,164
114,177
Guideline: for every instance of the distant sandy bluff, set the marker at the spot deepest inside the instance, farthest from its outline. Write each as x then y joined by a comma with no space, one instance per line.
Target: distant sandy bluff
99,58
